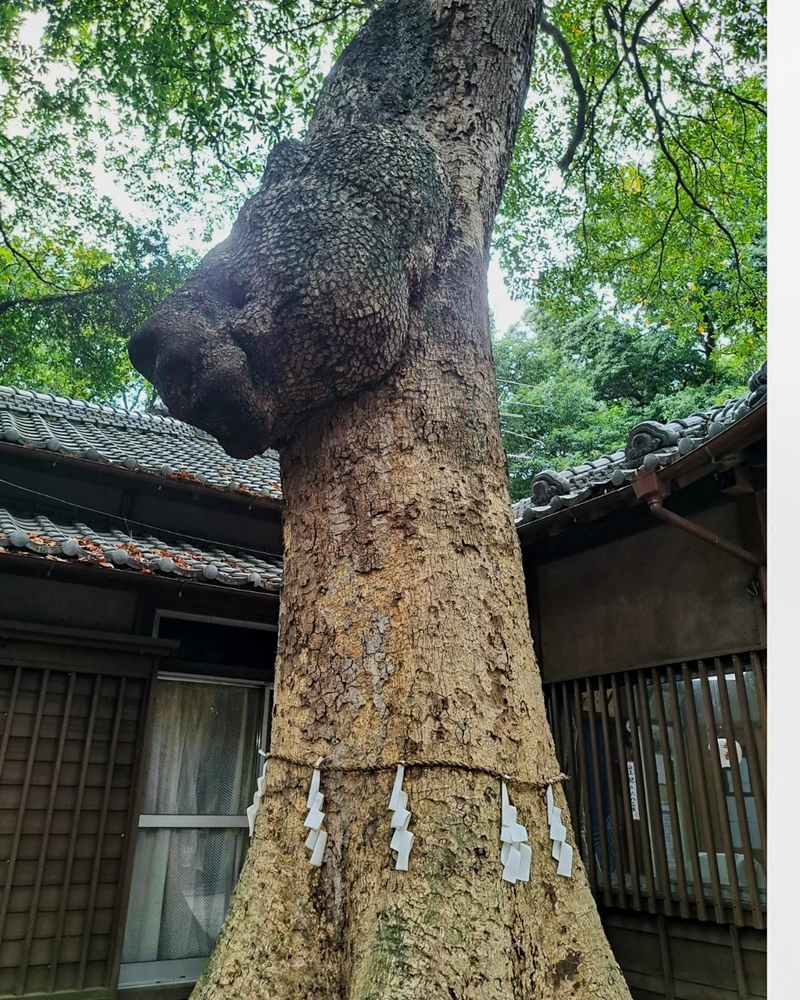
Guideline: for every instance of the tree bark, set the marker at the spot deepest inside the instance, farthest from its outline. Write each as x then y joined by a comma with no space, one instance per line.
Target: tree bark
403,627
404,636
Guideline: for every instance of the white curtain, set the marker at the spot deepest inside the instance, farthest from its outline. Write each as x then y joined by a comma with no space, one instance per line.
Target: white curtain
202,762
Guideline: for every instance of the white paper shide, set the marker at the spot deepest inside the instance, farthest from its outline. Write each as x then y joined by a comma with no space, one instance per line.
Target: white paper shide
402,838
253,809
515,854
562,852
317,837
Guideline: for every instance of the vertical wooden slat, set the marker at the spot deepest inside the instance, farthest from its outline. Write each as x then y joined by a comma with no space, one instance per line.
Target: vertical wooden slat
644,824
627,813
598,796
738,965
51,803
738,797
672,801
697,755
612,795
656,813
586,812
753,759
101,829
686,796
87,746
12,704
695,802
26,784
562,723
574,785
719,788
134,808
761,702
761,684
9,719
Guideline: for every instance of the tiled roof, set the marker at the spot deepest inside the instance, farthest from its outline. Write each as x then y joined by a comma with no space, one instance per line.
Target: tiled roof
166,447
76,542
651,445
142,442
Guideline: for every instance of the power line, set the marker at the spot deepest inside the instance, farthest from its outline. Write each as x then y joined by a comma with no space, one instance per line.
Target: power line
518,402
523,436
524,385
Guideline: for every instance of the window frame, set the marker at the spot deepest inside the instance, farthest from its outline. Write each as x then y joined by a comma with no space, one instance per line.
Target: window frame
138,975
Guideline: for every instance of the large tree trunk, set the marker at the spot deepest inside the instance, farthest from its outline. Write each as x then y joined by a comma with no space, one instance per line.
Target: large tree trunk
404,635
403,630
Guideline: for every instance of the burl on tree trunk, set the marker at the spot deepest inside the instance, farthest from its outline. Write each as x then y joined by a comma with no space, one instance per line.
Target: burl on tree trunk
345,321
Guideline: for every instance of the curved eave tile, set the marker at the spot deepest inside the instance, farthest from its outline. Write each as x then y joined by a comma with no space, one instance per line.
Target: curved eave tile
38,536
651,446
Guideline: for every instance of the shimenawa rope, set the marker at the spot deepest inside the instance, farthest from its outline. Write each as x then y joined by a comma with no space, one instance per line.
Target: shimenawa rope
430,764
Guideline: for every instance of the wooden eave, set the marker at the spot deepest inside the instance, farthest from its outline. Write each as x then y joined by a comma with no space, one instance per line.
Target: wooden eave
703,461
143,478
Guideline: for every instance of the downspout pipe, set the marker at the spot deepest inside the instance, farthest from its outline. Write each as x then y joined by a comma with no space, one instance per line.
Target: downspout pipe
660,511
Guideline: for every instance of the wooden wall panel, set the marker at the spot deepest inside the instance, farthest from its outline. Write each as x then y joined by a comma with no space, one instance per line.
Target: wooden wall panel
55,873
66,798
654,597
44,926
59,822
12,953
54,602
70,764
698,961
41,774
21,898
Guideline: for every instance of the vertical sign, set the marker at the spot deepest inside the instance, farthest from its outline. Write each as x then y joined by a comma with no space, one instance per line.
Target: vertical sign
632,789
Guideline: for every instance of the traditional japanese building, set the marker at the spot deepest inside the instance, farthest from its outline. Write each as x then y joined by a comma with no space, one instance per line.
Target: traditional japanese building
140,569
646,583
139,576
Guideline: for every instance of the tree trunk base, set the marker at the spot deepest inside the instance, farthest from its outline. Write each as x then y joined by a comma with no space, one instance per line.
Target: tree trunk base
448,929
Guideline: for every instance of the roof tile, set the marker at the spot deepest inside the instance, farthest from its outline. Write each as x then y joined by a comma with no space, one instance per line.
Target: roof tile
144,442
22,531
651,445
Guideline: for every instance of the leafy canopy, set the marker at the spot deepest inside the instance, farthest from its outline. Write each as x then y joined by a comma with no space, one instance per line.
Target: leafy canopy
117,119
570,392
654,113
68,333
636,200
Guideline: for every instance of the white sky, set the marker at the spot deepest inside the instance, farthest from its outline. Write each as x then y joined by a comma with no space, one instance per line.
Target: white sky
506,310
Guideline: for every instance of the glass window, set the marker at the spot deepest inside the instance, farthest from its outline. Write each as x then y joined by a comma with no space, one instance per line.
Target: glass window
193,833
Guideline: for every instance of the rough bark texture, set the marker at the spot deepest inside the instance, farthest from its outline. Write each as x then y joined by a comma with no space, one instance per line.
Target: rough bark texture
346,320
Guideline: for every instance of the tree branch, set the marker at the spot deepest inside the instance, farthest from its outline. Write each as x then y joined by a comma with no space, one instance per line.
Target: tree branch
24,259
51,300
651,100
577,85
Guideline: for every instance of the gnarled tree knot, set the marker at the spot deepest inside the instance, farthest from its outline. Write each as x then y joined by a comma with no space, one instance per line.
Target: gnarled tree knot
309,298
